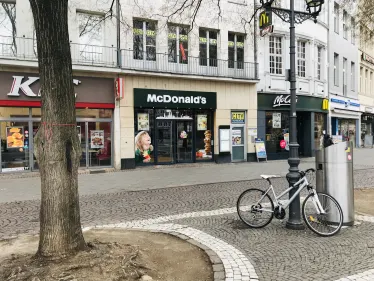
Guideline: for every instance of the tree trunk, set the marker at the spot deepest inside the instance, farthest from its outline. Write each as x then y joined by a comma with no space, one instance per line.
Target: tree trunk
57,146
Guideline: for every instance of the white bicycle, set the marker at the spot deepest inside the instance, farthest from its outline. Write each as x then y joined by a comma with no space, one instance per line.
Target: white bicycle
321,212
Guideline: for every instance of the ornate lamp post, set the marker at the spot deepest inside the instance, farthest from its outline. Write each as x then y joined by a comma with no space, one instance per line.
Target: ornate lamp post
291,16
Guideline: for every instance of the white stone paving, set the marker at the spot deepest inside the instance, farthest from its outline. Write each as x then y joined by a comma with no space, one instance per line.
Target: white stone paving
237,266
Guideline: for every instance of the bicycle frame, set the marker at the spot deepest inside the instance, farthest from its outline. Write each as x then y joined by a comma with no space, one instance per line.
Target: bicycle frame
303,182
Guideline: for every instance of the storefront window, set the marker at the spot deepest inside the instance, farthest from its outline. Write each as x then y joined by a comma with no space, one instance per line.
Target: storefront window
144,136
277,129
319,124
347,129
204,149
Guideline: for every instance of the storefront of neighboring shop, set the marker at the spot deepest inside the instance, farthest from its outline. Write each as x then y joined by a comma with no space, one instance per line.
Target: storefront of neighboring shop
20,115
345,119
274,123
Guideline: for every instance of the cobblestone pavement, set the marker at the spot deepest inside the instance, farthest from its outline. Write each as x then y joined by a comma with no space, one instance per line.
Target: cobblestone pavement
275,252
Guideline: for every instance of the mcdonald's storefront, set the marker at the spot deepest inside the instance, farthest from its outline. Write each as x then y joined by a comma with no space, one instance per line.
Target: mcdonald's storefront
273,123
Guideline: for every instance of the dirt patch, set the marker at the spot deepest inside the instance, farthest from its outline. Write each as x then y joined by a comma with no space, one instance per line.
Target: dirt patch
113,255
364,199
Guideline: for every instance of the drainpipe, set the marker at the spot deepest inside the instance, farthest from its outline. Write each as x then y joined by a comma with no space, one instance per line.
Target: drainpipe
118,35
255,38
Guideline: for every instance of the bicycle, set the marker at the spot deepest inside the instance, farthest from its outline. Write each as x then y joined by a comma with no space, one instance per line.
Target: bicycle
321,217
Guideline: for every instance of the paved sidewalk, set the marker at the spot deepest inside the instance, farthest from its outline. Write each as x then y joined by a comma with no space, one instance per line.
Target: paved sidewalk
18,189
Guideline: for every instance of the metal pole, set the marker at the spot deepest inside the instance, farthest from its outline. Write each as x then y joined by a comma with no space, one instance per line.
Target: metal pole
118,34
294,219
255,38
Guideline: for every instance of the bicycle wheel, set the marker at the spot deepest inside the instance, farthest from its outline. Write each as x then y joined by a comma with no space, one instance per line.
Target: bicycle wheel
327,224
252,211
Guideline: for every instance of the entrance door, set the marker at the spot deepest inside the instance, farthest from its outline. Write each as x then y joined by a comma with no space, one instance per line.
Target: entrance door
238,141
165,144
184,139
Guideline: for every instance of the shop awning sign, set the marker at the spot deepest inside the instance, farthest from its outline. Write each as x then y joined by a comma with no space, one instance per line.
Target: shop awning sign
174,99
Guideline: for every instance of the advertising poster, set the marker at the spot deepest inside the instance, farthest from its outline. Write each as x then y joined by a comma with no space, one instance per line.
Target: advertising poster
277,120
260,148
202,122
286,138
236,136
97,139
143,122
14,137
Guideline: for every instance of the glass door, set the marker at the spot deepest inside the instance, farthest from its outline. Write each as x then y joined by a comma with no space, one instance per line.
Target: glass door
238,143
14,155
99,152
184,139
164,138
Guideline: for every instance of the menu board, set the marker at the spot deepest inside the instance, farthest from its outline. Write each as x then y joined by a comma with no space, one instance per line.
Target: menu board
224,140
97,139
15,137
260,148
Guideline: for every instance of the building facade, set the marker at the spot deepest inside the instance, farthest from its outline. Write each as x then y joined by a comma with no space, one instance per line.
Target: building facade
366,86
164,100
345,113
273,89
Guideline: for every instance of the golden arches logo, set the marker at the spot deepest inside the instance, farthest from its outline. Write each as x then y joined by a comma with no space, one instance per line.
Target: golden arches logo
325,104
265,19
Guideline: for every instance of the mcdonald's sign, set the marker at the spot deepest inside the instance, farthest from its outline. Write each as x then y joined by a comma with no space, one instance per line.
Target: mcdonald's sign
325,104
265,19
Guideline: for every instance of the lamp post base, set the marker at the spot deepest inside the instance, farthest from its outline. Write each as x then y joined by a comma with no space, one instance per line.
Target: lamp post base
295,226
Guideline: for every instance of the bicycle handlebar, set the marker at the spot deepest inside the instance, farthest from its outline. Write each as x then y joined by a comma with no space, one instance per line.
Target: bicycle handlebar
303,173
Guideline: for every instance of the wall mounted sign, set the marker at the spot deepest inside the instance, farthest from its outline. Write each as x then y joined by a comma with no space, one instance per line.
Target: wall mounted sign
25,87
282,100
367,58
344,103
325,104
238,117
266,19
174,99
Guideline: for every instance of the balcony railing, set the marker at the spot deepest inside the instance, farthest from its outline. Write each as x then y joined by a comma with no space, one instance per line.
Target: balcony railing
164,63
21,48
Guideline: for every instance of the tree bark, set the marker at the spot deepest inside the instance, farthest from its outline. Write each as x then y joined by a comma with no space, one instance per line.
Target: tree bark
57,147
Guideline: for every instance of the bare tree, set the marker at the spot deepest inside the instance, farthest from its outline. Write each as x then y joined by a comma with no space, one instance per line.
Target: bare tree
57,146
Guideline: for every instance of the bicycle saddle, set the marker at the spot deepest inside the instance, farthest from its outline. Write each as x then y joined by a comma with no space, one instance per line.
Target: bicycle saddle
265,177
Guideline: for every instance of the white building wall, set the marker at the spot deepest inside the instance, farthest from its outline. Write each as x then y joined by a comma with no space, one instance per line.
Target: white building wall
315,35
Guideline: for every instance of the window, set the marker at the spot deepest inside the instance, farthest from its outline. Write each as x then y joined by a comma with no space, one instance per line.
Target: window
319,62
353,79
301,58
208,47
275,51
371,87
90,36
144,39
345,25
367,82
336,69
336,18
353,31
344,76
362,90
276,131
8,29
178,43
236,50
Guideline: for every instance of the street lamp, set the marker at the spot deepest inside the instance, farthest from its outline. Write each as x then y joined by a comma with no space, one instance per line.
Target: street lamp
313,7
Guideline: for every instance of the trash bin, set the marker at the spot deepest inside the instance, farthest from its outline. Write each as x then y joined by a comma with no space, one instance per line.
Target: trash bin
334,176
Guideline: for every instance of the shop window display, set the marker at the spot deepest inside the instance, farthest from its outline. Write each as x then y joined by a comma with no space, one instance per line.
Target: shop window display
319,124
277,129
144,150
203,135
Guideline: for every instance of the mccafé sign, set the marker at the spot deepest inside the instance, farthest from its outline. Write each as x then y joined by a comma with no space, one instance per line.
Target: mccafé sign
153,98
16,89
282,100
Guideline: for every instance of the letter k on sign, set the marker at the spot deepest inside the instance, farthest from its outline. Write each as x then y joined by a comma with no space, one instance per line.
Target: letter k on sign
25,86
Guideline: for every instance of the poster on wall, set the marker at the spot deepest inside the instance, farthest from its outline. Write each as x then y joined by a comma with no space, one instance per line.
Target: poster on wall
15,137
277,120
286,138
143,122
236,136
202,122
97,139
143,148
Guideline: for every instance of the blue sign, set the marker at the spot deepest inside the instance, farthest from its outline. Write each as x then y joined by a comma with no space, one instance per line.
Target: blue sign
346,103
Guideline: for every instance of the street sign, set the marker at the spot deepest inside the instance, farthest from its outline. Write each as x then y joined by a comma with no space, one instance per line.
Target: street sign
266,19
